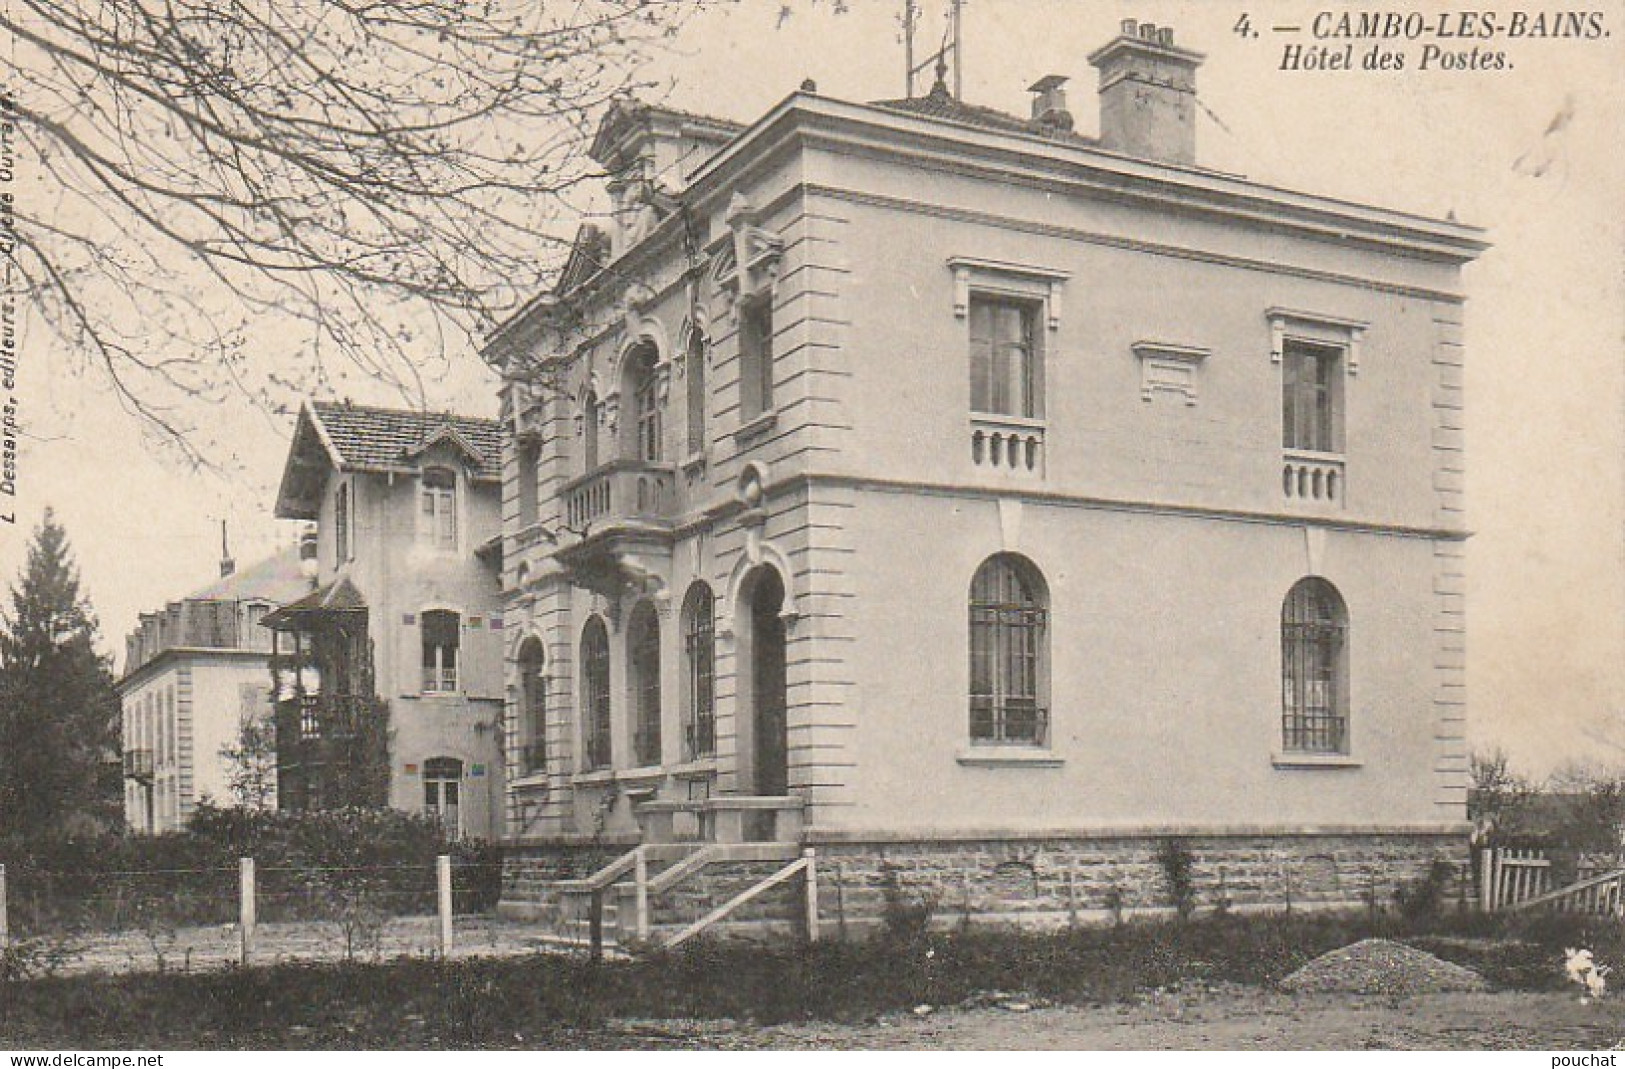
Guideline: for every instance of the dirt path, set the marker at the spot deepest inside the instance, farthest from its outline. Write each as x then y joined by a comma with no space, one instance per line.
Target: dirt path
1234,1019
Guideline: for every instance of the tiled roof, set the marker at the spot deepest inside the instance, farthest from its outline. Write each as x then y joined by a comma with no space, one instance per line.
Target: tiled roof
276,580
940,104
368,438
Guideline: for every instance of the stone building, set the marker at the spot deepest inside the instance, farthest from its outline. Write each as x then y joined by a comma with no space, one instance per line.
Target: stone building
389,668
947,491
193,673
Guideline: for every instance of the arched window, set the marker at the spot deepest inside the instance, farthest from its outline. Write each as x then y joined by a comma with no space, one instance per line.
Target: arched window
532,708
442,635
643,384
437,520
699,674
1314,669
695,370
591,416
530,458
1009,654
643,681
442,792
595,695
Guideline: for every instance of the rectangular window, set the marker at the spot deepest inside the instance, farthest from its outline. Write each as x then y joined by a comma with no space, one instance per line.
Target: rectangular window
755,358
646,401
1311,397
441,638
341,523
1005,374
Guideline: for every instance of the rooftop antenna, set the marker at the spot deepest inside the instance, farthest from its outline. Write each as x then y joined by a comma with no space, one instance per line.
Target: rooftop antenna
227,565
952,42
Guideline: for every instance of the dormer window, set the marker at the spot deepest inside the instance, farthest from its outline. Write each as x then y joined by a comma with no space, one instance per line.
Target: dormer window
437,511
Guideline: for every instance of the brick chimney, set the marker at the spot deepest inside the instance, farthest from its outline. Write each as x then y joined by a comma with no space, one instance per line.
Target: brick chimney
227,565
1148,94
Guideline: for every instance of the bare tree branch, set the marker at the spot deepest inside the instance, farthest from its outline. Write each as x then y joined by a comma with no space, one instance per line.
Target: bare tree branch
370,182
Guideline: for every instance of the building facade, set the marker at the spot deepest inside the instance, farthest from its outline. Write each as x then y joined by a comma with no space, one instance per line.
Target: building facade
388,671
944,489
194,673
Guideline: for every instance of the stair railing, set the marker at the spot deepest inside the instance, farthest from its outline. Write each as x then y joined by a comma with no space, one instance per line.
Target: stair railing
807,863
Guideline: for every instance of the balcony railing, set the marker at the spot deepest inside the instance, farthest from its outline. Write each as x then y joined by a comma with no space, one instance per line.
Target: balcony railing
619,491
1007,443
1312,478
138,765
316,717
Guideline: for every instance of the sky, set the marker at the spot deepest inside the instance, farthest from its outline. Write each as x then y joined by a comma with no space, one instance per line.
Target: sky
1529,152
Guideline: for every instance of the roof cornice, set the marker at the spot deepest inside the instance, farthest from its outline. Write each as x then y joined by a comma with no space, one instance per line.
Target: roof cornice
1092,169
1077,166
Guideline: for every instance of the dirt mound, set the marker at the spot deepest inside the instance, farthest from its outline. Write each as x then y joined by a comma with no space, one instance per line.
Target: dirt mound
1380,967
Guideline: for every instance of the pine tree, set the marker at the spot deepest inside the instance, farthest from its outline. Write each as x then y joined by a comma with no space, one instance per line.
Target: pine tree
58,710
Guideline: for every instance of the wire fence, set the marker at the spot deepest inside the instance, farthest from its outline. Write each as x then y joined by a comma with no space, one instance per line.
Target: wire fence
184,917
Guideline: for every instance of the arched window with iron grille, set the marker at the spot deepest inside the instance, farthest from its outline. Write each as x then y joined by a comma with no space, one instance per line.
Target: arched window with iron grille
1314,669
1009,653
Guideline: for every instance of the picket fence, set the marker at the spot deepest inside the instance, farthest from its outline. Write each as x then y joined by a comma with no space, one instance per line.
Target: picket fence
1517,880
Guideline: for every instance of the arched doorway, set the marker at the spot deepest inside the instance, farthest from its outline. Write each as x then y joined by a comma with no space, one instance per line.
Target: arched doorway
764,665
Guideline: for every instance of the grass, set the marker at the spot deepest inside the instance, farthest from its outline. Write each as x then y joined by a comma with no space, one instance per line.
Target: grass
546,1001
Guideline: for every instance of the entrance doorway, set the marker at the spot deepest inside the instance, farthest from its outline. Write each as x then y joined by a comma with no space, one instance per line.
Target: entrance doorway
442,793
770,749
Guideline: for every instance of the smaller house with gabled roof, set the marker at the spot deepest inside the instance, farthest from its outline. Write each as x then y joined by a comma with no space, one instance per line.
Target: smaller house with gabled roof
388,671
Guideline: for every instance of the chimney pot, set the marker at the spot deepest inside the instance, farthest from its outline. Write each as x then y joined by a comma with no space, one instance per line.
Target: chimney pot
1165,35
1148,31
1128,27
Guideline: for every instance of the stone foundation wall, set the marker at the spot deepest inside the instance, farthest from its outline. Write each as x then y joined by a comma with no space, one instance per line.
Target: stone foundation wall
528,873
1039,880
1090,880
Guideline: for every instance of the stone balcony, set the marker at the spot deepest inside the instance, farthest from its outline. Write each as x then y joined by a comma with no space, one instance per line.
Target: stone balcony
618,523
622,491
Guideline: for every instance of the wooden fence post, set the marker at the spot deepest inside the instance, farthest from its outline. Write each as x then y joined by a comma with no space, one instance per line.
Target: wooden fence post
1486,874
5,932
245,906
811,874
443,880
595,923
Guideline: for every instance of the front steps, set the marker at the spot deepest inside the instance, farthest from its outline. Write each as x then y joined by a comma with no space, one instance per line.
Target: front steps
659,892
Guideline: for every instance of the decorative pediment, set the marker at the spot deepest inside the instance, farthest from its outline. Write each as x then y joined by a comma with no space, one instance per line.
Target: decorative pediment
747,258
588,255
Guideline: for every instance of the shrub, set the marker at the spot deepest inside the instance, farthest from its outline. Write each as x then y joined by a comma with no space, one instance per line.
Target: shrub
190,877
1423,898
904,917
1179,873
